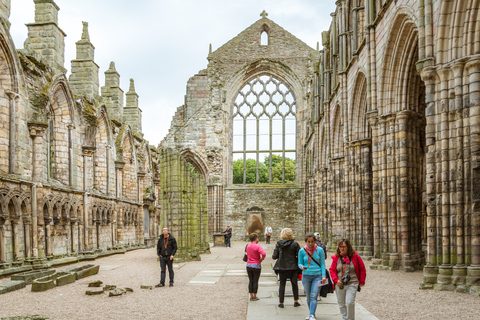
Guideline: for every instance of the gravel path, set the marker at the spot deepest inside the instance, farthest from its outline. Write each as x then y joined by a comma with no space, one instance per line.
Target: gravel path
388,295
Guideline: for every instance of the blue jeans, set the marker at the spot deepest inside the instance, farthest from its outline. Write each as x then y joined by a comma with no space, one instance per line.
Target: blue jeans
227,242
310,284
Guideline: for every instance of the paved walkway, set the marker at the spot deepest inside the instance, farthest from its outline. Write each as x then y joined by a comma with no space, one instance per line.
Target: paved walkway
267,306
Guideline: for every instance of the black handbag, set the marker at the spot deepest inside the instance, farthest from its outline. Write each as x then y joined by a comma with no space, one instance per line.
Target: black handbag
245,257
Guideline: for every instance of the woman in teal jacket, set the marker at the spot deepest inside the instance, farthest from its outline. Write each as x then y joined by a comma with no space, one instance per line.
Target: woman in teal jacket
311,260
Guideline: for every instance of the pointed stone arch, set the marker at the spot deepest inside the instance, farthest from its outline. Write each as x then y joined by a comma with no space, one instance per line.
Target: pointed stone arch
197,162
402,54
359,126
103,157
9,85
59,133
125,145
458,35
336,133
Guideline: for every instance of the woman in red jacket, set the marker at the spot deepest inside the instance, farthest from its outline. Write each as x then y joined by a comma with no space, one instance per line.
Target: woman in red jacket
348,275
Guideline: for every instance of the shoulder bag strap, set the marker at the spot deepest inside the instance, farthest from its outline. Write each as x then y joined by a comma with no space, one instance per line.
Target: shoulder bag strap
313,259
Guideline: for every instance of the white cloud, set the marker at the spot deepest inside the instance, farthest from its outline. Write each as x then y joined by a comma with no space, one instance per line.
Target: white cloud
161,44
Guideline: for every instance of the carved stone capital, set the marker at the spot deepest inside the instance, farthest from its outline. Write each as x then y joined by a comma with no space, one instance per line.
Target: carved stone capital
12,95
37,129
473,66
119,164
88,150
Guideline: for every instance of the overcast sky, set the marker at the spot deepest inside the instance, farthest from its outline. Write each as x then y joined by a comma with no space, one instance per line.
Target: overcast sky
162,43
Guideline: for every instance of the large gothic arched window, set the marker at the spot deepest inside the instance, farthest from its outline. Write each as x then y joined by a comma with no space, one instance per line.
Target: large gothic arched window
264,132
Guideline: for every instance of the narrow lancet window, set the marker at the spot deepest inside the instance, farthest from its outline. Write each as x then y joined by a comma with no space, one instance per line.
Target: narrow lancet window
264,38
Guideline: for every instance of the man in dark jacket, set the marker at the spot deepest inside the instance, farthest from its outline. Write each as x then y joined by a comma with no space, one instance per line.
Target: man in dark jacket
166,249
286,251
228,235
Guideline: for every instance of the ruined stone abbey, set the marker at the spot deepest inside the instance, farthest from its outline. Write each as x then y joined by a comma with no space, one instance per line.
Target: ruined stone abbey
375,137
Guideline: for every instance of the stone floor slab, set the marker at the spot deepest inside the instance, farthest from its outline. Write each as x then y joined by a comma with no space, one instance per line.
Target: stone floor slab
109,267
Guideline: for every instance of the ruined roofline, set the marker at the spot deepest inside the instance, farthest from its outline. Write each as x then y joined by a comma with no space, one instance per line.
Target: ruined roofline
260,21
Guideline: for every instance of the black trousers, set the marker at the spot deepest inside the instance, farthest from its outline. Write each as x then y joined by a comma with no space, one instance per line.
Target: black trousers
253,276
164,262
284,275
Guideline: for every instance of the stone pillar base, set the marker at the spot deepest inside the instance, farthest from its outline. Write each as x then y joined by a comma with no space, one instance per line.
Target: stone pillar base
37,263
459,278
430,273
473,280
444,279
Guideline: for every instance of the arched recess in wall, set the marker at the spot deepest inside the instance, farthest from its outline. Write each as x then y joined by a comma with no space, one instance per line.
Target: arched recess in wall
323,146
197,162
243,86
129,186
360,128
59,133
459,33
336,133
102,161
403,161
9,88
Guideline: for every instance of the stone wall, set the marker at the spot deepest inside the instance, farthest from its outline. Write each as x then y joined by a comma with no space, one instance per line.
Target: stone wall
202,128
281,207
74,173
393,141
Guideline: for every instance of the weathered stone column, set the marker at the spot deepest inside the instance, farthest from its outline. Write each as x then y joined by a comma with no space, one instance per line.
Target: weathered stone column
119,165
459,269
404,124
70,154
73,223
372,117
48,238
392,158
12,130
37,130
14,225
473,271
87,152
3,253
81,245
430,270
28,245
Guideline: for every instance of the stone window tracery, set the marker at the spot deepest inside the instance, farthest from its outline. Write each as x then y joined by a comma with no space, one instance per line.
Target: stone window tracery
264,132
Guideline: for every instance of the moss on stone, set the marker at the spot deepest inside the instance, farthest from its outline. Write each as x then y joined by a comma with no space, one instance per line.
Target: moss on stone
89,113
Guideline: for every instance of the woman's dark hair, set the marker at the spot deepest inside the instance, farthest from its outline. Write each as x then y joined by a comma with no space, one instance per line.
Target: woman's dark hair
253,236
350,251
309,235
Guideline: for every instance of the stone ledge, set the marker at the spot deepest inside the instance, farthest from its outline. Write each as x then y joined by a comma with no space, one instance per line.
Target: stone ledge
5,272
12,285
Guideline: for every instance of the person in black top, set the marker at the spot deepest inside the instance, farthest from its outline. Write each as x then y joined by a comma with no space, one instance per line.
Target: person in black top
166,249
228,235
286,251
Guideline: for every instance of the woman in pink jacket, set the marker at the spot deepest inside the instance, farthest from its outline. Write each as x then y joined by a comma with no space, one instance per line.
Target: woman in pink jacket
348,276
255,255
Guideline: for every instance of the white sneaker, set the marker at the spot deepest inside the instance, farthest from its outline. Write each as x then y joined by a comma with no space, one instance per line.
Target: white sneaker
312,318
308,317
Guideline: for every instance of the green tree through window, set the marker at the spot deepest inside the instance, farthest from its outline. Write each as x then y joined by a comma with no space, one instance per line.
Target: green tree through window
264,132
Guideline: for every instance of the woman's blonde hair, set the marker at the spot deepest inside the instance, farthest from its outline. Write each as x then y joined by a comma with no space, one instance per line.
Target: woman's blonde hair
286,234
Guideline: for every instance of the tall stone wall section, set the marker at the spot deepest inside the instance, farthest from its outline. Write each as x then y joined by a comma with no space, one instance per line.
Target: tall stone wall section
202,128
76,180
393,144
184,206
